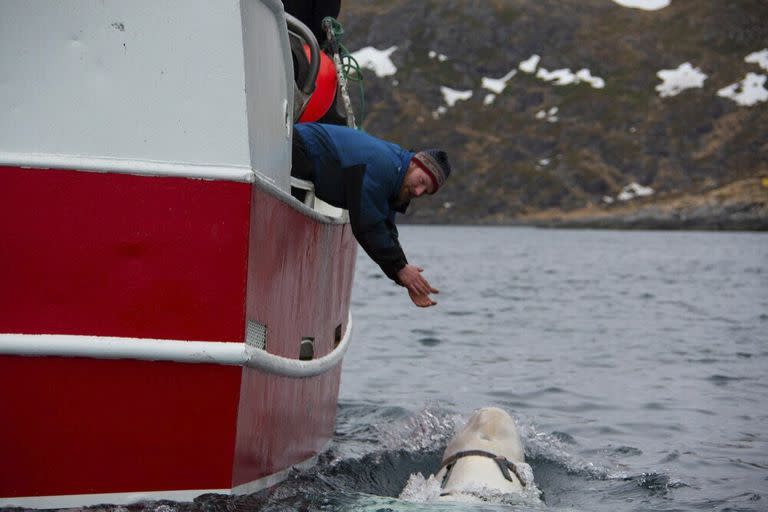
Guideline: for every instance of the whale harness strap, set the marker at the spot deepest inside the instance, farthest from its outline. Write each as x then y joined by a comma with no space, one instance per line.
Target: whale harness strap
505,466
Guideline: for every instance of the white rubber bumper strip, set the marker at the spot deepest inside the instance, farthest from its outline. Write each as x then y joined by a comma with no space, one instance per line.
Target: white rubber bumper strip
127,498
128,166
145,349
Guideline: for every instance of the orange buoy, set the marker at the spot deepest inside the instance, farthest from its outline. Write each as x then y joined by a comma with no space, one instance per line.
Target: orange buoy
325,90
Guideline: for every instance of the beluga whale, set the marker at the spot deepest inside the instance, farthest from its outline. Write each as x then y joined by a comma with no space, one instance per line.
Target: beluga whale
485,461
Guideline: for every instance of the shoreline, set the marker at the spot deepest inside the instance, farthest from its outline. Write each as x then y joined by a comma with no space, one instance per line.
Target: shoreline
738,206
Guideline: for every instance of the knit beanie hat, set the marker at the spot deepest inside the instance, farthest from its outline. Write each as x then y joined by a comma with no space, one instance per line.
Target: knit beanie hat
435,163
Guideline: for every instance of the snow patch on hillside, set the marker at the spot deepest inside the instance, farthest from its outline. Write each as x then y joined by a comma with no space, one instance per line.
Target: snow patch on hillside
439,56
632,191
451,96
548,115
646,5
560,76
760,58
496,86
584,75
677,80
748,92
376,60
439,111
567,77
529,65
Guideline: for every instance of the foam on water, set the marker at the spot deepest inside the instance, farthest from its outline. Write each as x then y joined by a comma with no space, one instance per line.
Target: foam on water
420,489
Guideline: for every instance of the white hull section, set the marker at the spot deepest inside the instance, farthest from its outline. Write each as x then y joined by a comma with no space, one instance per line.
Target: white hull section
127,498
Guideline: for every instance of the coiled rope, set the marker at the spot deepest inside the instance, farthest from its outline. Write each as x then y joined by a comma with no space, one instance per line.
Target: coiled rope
349,68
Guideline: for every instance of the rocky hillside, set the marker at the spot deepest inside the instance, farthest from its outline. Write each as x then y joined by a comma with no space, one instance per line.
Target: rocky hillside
578,117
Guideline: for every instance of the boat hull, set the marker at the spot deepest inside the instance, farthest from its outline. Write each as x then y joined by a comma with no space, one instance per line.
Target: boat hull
161,258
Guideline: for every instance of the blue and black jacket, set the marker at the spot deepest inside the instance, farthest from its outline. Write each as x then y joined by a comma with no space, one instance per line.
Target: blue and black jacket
362,174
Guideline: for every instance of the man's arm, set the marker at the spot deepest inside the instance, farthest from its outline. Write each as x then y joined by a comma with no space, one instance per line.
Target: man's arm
378,237
376,241
410,277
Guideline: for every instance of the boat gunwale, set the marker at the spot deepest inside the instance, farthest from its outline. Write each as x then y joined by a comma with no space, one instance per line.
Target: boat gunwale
147,168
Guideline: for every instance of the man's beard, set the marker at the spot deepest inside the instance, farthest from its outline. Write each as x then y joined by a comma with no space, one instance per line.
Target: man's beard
402,201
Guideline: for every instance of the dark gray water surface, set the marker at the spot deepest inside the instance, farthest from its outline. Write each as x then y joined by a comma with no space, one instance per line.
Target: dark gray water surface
634,362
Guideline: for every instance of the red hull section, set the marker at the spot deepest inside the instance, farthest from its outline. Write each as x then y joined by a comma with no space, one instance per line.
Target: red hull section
119,255
165,258
79,426
299,285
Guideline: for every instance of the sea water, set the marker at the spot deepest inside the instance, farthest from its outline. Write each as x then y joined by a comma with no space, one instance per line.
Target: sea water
635,364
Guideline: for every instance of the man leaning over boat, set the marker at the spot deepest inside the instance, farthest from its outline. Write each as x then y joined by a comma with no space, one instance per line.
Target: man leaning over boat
373,179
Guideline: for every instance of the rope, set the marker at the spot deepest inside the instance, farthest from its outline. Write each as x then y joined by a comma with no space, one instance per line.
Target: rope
350,68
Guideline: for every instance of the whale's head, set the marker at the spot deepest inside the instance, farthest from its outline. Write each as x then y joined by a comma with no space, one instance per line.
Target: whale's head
491,429
486,454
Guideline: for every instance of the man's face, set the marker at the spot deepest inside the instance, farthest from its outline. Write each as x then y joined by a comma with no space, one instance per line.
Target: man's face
416,183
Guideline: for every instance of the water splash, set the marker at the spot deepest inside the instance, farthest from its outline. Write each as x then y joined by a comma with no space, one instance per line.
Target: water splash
429,429
420,489
551,447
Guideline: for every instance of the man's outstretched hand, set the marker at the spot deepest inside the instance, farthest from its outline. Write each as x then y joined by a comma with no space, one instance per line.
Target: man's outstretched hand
418,287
